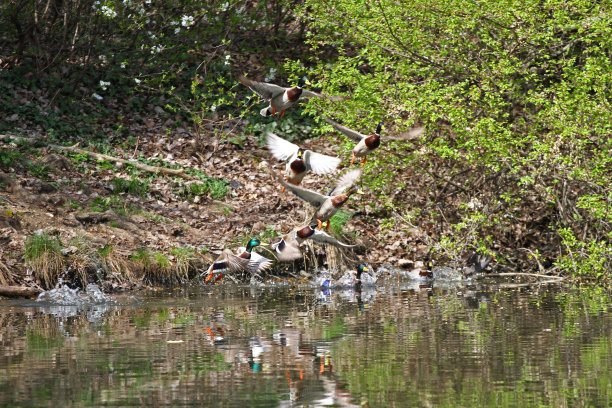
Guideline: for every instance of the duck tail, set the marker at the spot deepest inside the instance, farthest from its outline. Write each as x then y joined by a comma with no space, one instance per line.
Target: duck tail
265,112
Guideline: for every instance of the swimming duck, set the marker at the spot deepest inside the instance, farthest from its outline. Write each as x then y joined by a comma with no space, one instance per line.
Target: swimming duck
299,160
350,279
327,204
244,261
288,248
365,144
281,98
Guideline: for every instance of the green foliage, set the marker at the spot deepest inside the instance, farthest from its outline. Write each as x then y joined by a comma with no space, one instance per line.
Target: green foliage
339,220
209,185
9,158
38,245
518,92
134,186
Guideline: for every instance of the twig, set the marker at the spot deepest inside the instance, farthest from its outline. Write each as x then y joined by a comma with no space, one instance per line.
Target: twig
508,274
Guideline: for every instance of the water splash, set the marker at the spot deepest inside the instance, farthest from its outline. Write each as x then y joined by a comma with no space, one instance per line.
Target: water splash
66,296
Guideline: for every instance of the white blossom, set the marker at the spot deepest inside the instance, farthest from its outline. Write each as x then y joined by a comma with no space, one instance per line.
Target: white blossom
187,21
137,80
104,84
108,12
96,96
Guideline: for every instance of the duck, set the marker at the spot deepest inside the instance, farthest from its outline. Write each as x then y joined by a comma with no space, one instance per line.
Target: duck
242,262
476,263
365,144
258,263
281,98
353,279
327,204
299,160
288,248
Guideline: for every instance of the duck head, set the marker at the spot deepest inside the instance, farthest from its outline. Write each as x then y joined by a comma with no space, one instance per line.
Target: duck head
252,244
360,270
379,128
303,81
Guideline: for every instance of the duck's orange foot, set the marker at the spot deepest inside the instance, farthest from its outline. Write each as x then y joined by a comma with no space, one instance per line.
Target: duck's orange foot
353,159
281,114
364,161
327,226
320,223
210,275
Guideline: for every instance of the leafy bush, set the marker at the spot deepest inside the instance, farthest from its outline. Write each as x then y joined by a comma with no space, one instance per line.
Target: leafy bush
515,98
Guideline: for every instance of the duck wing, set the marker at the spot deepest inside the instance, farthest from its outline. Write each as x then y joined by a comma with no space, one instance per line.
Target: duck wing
280,148
319,163
353,134
233,262
258,263
346,181
263,89
311,94
305,194
322,237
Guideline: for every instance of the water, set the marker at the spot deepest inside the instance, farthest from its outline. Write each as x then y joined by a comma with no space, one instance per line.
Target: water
393,345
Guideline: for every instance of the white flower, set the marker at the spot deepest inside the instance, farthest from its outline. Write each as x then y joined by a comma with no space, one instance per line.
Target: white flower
108,12
227,58
187,21
156,49
137,80
177,30
96,96
123,65
271,75
104,85
213,108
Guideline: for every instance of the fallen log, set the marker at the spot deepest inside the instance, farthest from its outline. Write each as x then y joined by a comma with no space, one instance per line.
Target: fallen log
99,156
19,291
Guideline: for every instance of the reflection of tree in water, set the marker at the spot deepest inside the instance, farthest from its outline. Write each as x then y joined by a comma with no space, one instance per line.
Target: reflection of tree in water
416,344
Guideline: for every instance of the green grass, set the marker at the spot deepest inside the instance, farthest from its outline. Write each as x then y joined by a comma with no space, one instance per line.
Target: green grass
38,245
134,186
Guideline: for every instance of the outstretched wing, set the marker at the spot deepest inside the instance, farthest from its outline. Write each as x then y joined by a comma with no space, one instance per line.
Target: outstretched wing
346,181
322,237
319,163
353,134
258,263
263,89
310,196
311,94
280,148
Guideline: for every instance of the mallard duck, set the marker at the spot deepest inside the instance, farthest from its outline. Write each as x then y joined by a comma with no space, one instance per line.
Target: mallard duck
258,263
244,261
365,144
350,279
299,160
327,204
288,248
281,98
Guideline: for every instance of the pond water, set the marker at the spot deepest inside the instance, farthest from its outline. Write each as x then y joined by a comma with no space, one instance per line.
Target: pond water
399,344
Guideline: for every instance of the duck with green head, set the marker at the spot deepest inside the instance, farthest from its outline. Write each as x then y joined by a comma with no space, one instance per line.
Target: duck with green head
245,261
